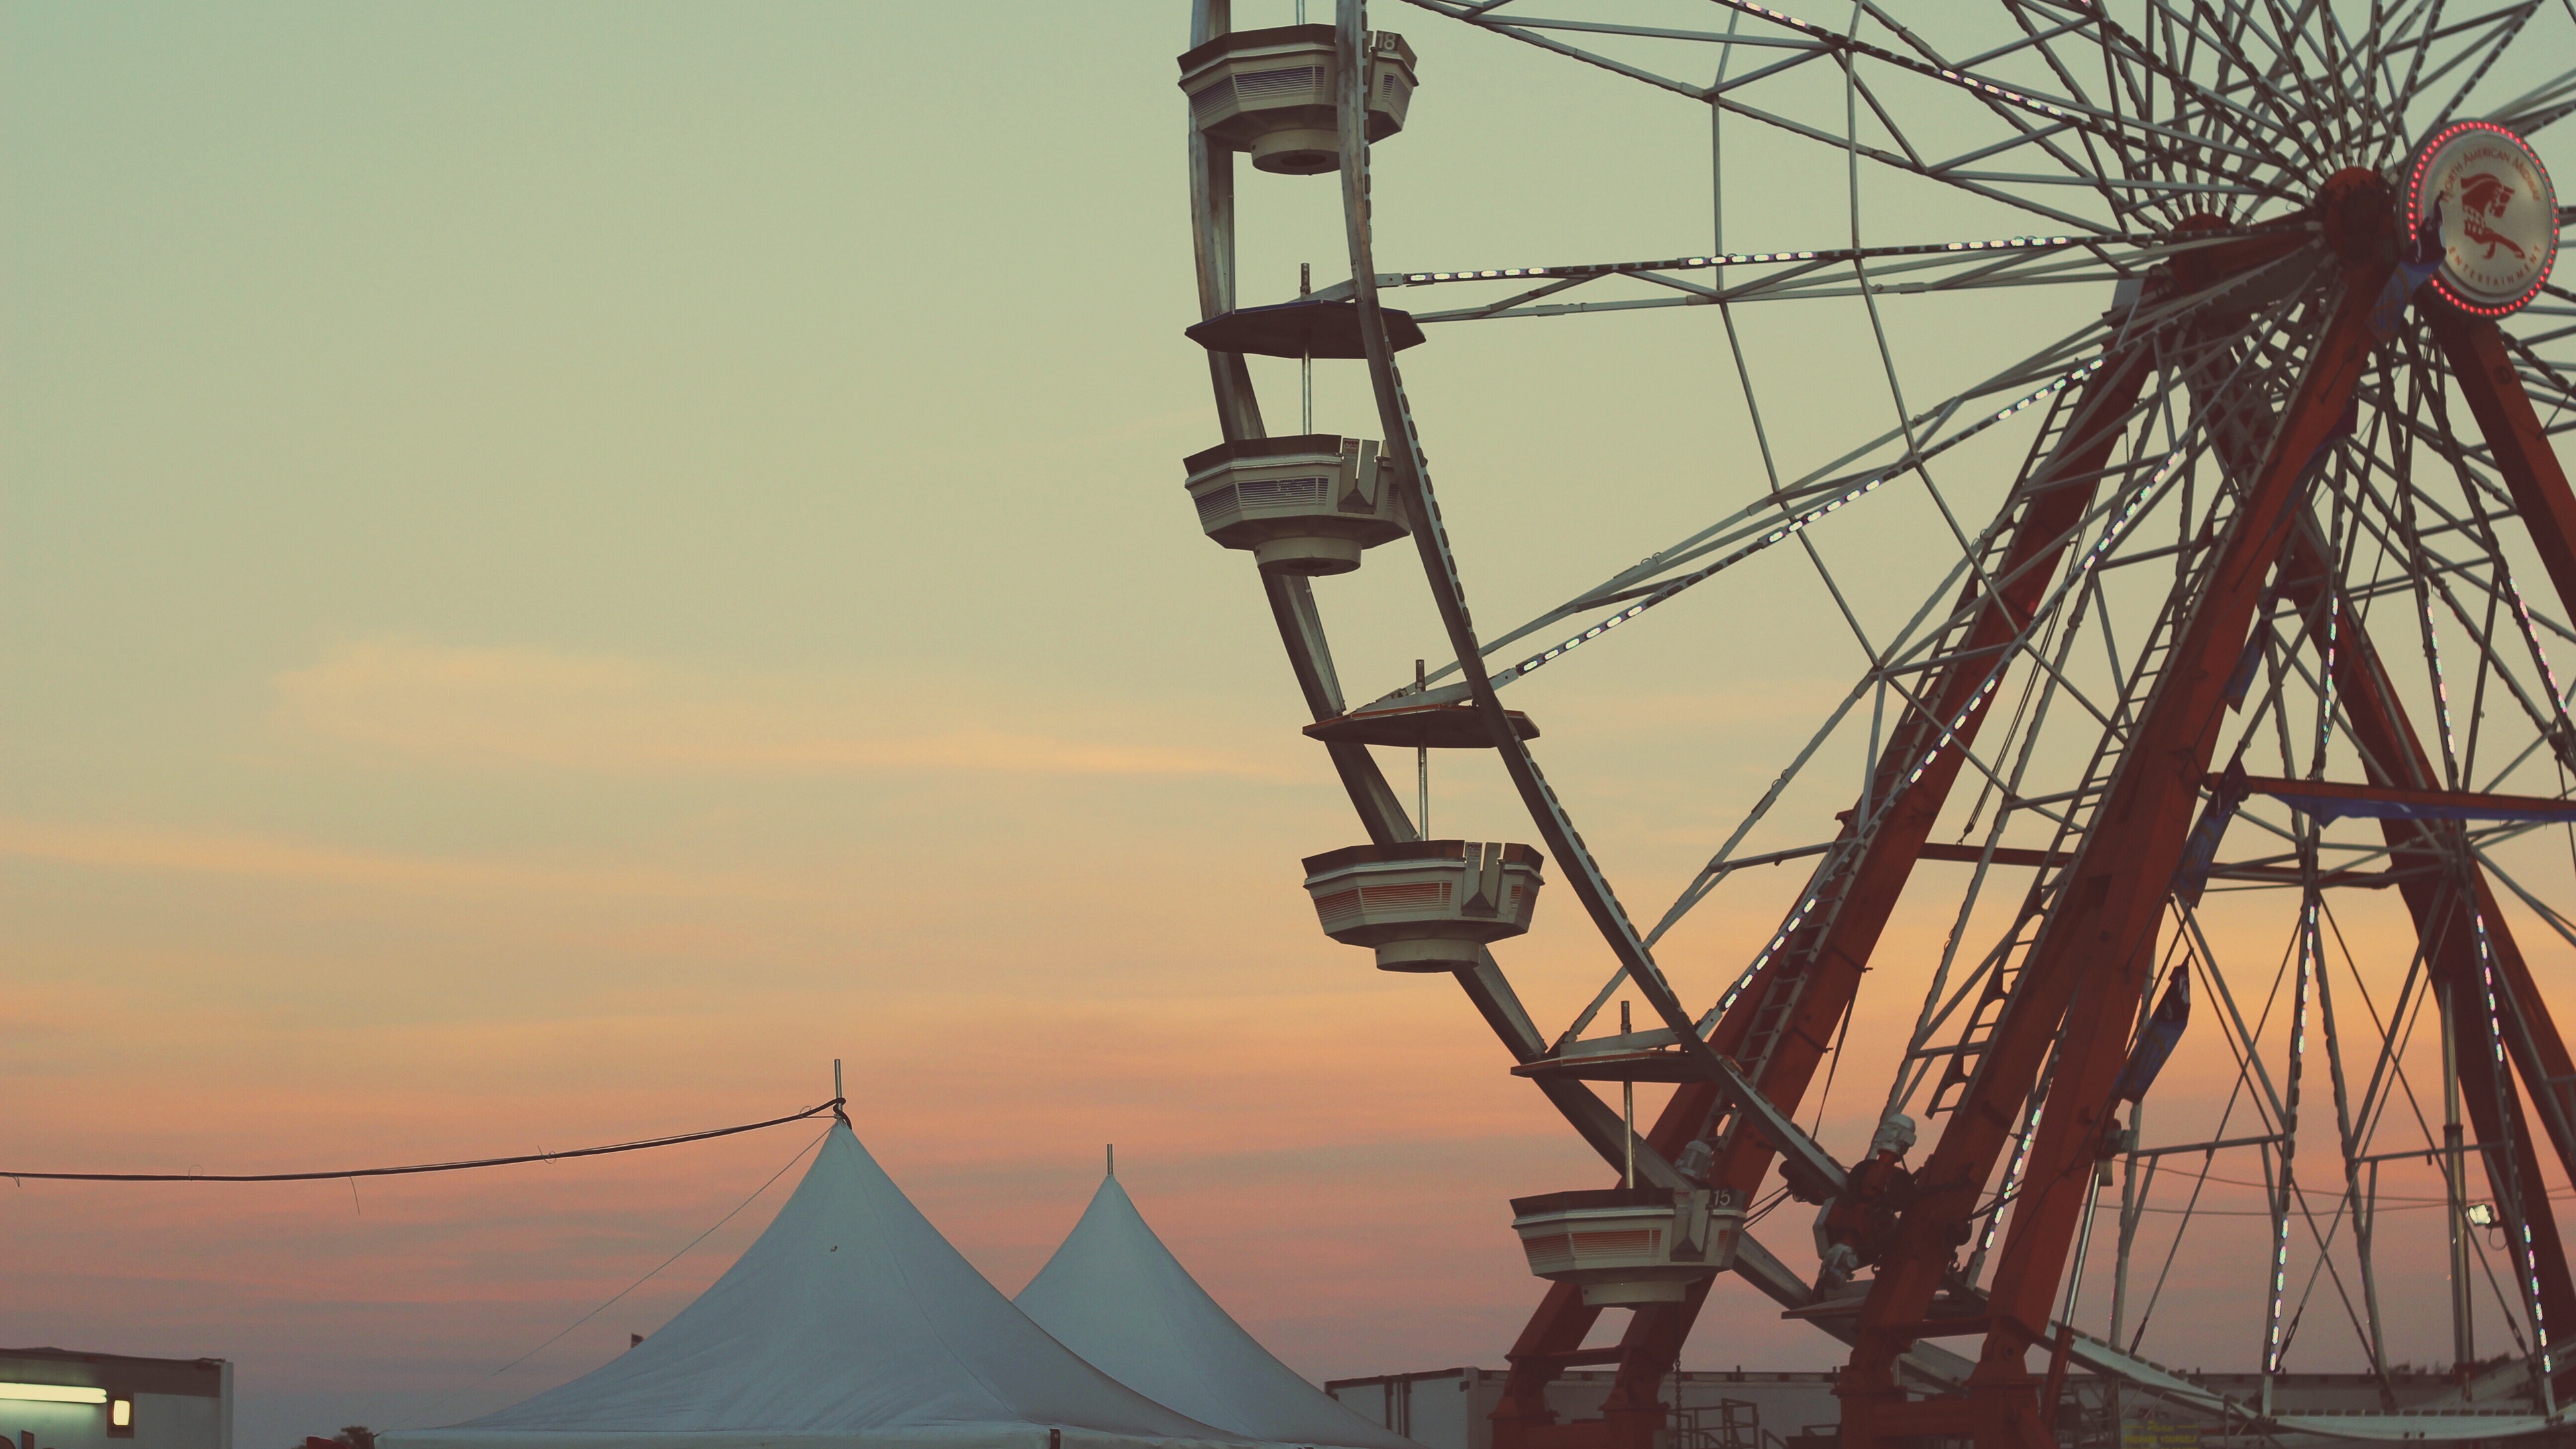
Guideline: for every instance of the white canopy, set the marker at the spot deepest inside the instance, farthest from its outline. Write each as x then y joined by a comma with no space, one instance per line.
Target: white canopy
1115,1295
852,1321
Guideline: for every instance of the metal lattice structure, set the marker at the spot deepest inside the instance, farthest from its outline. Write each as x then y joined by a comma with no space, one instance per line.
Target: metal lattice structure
2265,616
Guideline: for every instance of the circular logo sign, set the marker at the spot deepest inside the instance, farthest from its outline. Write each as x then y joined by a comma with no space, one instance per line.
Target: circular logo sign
2481,208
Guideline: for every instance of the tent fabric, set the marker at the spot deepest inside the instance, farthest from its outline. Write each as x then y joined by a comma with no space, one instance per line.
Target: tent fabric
850,1321
1115,1295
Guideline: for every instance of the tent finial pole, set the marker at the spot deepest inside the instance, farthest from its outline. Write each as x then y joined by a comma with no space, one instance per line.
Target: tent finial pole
840,1103
1112,1150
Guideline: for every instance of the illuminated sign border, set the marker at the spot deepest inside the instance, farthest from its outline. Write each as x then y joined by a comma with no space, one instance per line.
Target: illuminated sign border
2415,215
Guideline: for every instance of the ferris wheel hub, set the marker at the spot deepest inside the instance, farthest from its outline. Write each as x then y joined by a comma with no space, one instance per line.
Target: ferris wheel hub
2355,207
2485,216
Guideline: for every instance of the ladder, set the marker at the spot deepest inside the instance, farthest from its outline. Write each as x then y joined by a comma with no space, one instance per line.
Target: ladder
2083,804
1809,928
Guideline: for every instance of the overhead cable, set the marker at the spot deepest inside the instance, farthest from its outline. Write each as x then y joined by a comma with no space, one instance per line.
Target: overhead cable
833,1106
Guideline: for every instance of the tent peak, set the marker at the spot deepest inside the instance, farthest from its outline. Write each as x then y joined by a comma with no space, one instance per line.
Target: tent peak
1114,1294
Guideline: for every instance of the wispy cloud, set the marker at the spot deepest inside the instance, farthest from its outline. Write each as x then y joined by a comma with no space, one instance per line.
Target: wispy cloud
116,847
595,712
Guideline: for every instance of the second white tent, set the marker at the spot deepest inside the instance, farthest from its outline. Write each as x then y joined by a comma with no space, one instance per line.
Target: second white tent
1115,1295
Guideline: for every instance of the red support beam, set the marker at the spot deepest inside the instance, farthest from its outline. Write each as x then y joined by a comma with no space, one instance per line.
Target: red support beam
2088,968
2485,373
1835,950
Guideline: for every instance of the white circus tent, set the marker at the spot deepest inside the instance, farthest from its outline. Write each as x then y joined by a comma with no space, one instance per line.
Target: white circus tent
851,1320
1115,1295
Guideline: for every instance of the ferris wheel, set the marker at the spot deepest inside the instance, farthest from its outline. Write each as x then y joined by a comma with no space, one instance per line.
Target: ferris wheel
2252,642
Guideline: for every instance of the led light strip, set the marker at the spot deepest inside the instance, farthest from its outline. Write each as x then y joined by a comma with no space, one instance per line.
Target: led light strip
2326,708
2012,1175
1746,259
2441,686
2529,1265
2311,960
2531,636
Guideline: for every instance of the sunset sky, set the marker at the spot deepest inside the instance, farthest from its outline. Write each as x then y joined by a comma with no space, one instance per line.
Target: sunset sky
565,566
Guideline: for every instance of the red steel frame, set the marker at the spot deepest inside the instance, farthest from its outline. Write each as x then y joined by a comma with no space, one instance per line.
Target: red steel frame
2110,913
2108,919
2087,971
1833,952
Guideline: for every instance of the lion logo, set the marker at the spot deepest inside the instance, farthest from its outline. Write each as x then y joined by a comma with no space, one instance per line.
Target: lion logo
2483,198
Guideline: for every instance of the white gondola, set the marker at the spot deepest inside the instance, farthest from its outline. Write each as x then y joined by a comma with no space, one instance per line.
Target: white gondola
1425,905
1303,505
1272,93
1629,1245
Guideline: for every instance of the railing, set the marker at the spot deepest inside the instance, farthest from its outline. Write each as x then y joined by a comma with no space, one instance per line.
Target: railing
1726,1424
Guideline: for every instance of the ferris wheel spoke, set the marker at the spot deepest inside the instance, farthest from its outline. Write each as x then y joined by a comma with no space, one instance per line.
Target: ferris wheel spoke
2538,106
2048,261
2547,720
2148,247
2234,67
2409,37
2482,55
1514,28
2534,1039
2038,42
2009,102
1760,525
2216,112
1811,282
2540,118
1767,531
2428,73
1845,905
1724,99
2524,371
